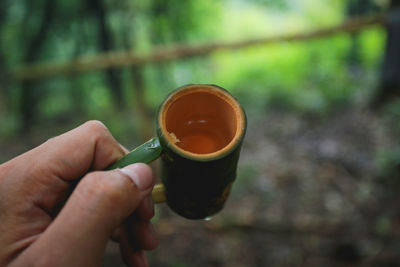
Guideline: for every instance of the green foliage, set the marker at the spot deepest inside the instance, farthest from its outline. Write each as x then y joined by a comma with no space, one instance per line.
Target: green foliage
289,75
388,157
180,264
373,43
246,174
383,225
389,163
278,4
311,76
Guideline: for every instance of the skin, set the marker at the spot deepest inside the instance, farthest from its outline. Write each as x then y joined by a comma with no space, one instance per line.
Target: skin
58,208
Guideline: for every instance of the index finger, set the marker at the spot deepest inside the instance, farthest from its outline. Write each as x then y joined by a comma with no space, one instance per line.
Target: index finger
71,155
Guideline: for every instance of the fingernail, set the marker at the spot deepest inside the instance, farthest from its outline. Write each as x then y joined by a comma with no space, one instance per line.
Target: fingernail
140,174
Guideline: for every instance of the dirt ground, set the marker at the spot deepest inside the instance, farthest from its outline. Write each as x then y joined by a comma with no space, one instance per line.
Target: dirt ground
311,191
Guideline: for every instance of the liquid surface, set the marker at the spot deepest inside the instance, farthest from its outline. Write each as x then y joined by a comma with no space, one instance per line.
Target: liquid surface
202,135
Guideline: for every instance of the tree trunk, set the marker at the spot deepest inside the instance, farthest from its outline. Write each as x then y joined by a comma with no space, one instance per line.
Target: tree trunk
357,8
389,87
76,91
145,113
142,109
106,44
30,96
3,69
160,9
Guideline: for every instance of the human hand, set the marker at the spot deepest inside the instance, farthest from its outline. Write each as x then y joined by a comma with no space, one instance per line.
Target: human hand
46,221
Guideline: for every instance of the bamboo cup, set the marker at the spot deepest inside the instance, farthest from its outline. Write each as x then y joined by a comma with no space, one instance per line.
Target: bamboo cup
200,129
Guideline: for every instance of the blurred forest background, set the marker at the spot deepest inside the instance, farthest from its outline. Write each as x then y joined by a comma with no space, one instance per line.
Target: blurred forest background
318,181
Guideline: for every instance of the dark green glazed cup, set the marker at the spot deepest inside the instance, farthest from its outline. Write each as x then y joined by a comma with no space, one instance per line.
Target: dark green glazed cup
200,130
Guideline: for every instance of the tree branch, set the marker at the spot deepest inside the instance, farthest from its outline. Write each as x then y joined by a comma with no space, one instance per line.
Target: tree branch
128,58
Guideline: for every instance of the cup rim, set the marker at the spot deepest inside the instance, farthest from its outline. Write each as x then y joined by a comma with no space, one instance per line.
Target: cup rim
217,91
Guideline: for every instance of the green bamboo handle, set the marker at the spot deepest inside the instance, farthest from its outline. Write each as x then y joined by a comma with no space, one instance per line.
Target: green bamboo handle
145,153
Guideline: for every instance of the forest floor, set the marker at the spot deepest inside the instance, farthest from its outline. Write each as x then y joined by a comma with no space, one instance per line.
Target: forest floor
311,191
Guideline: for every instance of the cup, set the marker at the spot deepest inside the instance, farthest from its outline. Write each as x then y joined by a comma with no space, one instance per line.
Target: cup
200,129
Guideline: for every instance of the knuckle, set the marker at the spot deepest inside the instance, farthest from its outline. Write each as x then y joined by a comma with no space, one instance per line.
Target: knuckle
96,127
98,131
106,148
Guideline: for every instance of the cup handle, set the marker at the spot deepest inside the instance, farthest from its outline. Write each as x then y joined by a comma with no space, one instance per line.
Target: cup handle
146,153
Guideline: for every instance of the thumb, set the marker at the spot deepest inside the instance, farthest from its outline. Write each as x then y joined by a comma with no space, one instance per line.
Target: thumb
104,199
100,202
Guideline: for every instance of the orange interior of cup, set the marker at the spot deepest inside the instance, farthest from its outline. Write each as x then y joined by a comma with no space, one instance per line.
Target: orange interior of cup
202,119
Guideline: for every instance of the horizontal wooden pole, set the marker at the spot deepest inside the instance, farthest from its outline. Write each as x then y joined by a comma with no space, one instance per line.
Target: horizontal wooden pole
129,58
